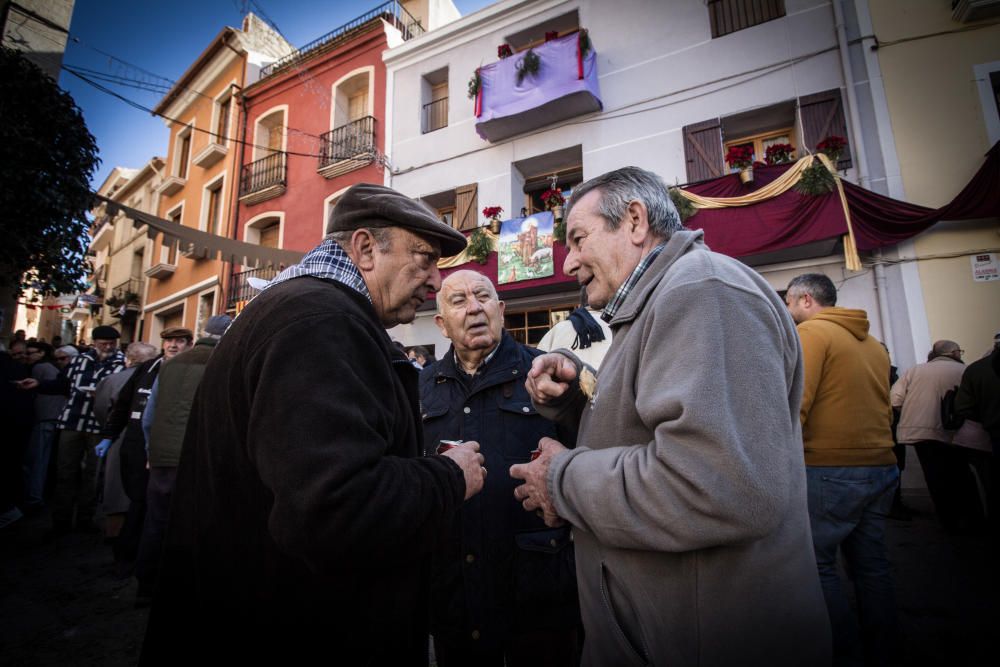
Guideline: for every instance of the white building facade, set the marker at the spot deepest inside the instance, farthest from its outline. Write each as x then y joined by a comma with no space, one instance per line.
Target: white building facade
680,81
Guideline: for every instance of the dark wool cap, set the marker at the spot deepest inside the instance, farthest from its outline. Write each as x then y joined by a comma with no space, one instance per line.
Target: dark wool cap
104,333
367,205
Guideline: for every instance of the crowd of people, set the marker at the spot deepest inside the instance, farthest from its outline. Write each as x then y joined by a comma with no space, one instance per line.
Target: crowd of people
671,478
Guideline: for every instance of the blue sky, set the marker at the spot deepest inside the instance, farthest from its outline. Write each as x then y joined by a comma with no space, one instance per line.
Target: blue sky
164,38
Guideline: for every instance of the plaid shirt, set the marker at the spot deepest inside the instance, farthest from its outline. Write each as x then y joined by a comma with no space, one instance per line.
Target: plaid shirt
83,373
327,260
626,287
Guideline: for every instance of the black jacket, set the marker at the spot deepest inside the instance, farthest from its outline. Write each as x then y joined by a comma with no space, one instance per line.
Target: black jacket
303,516
500,570
126,416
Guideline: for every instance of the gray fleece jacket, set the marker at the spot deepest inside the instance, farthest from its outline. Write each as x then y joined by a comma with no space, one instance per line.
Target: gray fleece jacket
687,488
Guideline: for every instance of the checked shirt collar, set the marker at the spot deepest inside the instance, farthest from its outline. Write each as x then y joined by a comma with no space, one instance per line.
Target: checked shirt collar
626,287
327,260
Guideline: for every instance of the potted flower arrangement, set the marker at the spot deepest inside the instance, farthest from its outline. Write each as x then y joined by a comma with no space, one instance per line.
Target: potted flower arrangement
492,213
741,157
779,153
504,51
553,199
833,147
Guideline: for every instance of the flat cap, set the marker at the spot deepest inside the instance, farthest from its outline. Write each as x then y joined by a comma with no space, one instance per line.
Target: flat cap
104,332
217,325
177,332
368,205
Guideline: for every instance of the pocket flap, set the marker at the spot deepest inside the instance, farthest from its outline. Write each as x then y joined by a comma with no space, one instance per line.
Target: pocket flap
551,540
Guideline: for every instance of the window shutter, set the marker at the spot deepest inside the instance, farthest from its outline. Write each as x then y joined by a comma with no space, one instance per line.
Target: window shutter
466,207
822,115
703,150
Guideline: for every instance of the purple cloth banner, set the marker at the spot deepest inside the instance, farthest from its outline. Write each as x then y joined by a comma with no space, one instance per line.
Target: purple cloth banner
555,93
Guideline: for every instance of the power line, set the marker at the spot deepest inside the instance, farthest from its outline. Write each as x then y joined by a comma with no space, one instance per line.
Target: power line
143,107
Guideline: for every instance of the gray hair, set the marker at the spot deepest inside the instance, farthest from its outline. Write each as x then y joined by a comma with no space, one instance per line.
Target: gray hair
137,352
382,236
451,276
69,350
816,285
943,348
623,186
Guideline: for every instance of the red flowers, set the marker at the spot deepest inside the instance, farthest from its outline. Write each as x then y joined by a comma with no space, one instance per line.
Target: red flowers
504,51
553,197
492,212
551,34
779,153
833,146
740,157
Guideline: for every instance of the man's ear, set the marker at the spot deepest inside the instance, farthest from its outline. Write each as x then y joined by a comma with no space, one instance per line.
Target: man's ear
363,249
439,321
637,219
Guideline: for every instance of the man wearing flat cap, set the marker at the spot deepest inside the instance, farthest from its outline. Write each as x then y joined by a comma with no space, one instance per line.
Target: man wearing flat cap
303,514
79,432
126,418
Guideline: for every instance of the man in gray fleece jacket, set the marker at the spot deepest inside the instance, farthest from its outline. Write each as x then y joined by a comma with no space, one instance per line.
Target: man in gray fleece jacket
686,490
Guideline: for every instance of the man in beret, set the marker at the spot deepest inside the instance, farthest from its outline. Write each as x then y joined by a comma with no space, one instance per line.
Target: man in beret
126,418
76,462
303,515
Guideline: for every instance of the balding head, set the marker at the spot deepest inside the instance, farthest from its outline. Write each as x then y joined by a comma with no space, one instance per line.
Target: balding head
470,314
946,348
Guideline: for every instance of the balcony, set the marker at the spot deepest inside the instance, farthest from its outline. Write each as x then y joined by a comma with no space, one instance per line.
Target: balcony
240,289
347,147
210,155
263,179
102,232
171,185
390,12
435,115
161,271
125,298
565,86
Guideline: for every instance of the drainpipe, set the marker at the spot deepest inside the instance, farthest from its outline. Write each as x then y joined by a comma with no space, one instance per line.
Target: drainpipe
861,163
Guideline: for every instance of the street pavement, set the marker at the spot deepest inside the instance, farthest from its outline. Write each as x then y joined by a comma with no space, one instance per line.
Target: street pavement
61,603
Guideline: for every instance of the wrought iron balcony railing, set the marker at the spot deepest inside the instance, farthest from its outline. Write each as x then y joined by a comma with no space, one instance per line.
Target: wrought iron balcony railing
435,115
391,12
348,142
240,290
263,173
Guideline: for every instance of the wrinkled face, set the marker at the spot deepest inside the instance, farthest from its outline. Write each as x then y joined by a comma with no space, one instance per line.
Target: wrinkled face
402,275
174,346
105,348
601,260
469,313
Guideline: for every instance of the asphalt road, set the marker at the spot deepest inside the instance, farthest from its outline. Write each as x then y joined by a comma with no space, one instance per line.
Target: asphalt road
61,604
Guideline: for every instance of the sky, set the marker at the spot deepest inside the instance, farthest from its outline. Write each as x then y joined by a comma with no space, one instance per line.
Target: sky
152,41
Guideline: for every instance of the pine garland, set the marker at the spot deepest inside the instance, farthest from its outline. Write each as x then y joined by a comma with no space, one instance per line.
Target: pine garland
480,246
528,65
474,84
815,180
683,205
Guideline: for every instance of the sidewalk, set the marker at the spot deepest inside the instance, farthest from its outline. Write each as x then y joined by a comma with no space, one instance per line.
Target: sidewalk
60,603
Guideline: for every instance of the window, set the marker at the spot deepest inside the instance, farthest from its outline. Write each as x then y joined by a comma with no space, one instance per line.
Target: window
351,99
728,16
223,108
183,154
168,249
535,35
803,123
206,306
760,143
213,208
458,208
987,78
535,175
530,326
434,92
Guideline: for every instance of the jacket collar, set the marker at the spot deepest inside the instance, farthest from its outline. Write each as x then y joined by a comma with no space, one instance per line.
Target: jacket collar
498,369
679,244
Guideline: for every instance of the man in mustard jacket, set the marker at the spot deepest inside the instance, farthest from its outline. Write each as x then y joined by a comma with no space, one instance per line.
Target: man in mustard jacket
850,468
